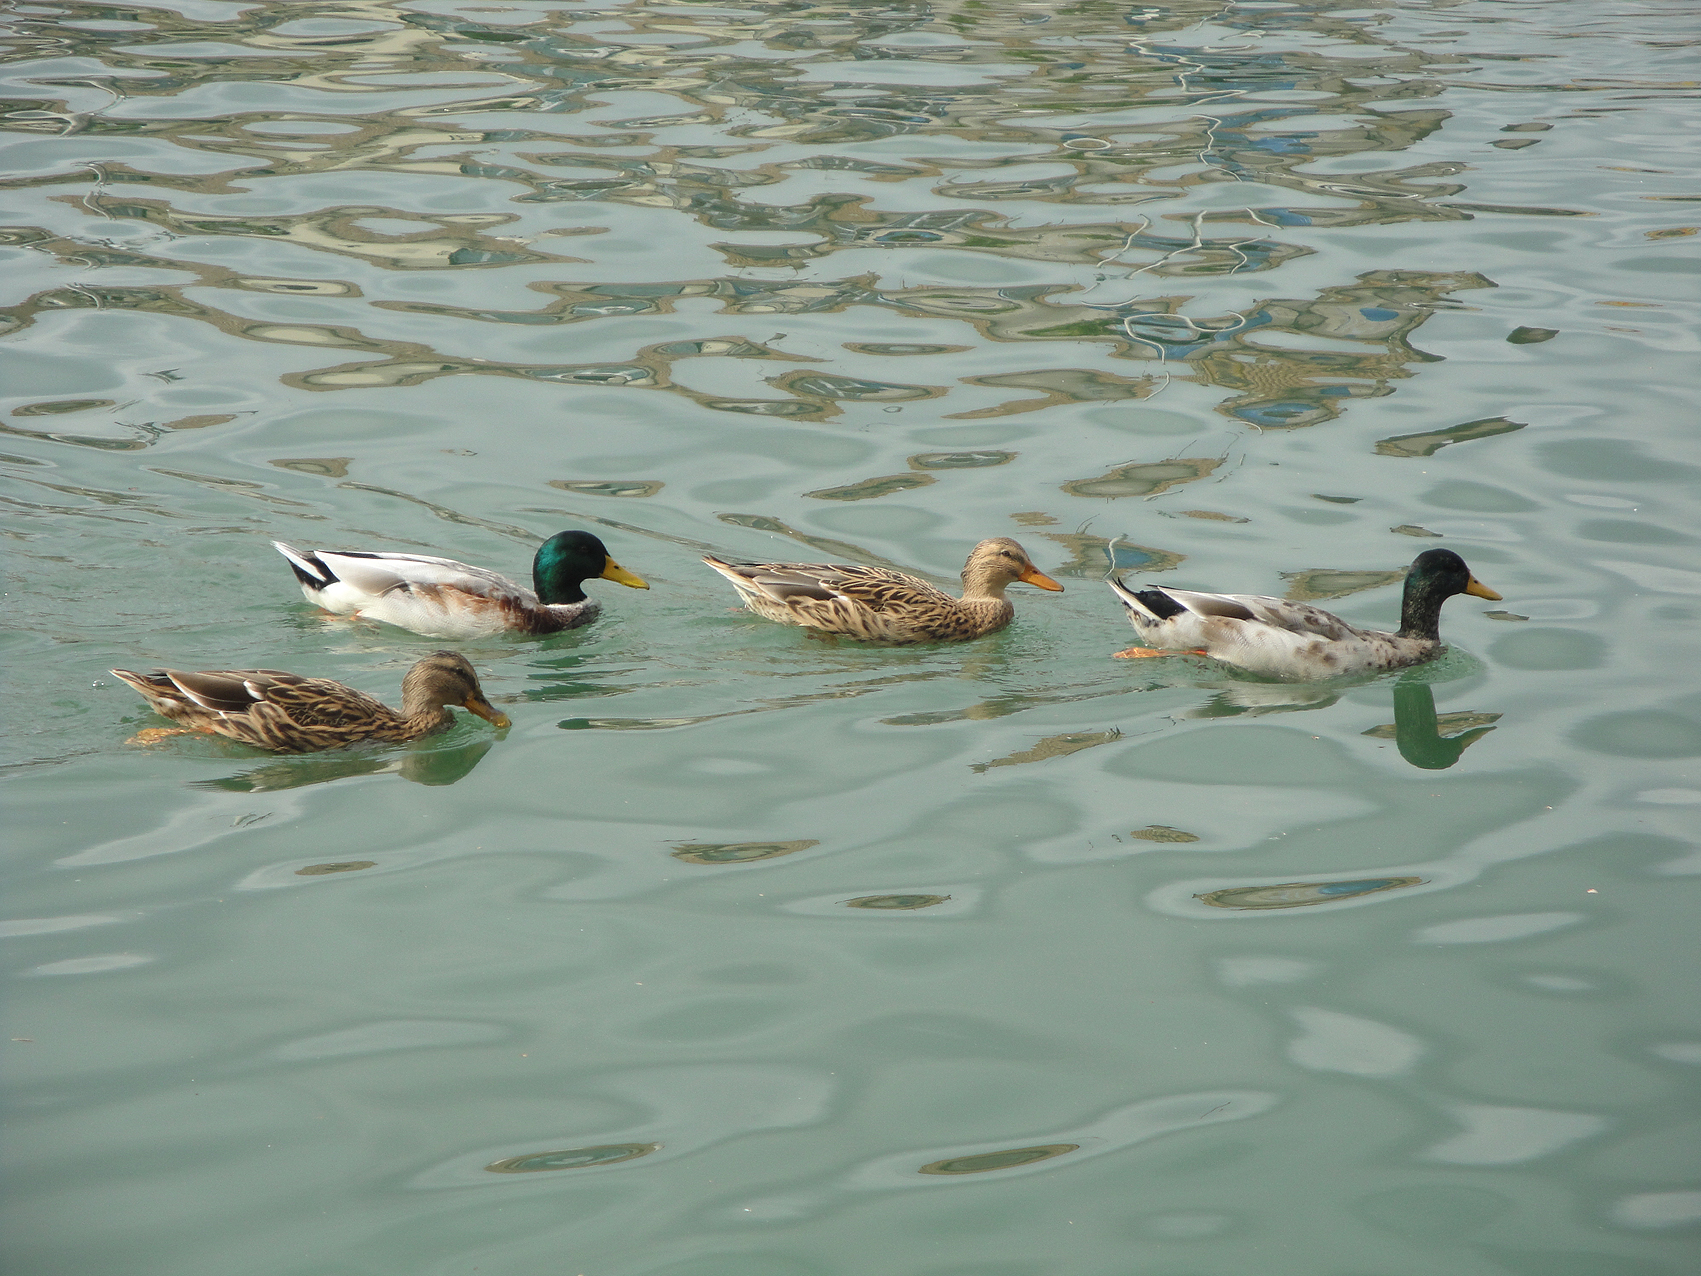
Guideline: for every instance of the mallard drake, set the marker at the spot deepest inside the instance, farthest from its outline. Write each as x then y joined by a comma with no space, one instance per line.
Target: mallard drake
441,598
284,711
1296,641
878,605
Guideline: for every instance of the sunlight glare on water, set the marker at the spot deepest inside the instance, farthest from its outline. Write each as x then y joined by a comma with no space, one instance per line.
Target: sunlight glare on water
749,953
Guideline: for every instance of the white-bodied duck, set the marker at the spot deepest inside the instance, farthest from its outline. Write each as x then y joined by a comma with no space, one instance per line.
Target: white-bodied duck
441,598
1296,641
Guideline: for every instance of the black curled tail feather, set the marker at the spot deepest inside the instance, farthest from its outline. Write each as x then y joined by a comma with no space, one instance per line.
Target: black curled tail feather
308,567
308,578
1158,603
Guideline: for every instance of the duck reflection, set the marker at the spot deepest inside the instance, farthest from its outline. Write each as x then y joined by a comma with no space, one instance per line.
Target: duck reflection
1417,729
572,1158
1301,894
421,766
738,852
1254,699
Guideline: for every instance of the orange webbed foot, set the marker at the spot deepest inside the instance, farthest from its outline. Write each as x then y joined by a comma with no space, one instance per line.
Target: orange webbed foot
1140,653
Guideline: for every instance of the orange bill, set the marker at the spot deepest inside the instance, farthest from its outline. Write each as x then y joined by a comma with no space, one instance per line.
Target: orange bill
1480,590
486,710
1034,576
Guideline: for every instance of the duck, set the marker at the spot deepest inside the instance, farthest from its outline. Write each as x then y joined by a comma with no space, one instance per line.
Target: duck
440,598
1295,641
288,713
876,604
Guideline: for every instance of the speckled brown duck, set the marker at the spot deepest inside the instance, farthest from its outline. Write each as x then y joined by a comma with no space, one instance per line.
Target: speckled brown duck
291,714
878,605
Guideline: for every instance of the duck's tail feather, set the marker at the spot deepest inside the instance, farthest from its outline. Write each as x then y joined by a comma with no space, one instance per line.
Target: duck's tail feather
732,571
308,567
145,683
1149,606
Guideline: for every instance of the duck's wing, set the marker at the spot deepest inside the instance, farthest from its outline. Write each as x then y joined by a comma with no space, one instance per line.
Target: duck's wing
230,690
1155,606
890,592
271,696
1279,613
375,574
213,691
788,584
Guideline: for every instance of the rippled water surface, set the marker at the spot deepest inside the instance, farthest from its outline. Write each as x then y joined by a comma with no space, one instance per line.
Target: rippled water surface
744,953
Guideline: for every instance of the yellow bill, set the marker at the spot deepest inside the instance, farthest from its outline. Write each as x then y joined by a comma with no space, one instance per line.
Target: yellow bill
620,576
1034,576
1480,590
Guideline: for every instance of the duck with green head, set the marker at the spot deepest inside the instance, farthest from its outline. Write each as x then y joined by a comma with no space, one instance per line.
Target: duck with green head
441,598
1295,641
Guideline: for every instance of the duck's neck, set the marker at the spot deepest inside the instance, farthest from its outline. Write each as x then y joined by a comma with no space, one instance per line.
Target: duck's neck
1420,610
555,589
423,707
980,587
559,569
428,719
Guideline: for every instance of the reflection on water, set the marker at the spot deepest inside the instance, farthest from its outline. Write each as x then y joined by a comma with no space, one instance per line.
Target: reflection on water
1163,833
1113,1132
1432,441
1144,480
959,460
985,1161
347,866
1328,582
572,1158
1275,387
765,152
855,282
433,766
1300,894
1417,731
1235,699
870,488
1057,746
902,903
738,852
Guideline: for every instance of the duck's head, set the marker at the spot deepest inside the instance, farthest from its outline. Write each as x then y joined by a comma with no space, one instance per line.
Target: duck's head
1434,577
996,564
443,678
1443,573
568,559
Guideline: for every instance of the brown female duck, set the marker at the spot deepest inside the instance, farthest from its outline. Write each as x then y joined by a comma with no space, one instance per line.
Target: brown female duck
284,711
879,605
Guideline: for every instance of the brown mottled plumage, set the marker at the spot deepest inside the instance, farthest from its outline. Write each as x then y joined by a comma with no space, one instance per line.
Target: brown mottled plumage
878,605
284,711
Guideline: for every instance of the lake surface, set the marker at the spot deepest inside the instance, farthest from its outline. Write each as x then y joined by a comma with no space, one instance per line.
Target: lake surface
745,953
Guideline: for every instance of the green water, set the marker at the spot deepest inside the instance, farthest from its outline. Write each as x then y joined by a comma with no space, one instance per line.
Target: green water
744,953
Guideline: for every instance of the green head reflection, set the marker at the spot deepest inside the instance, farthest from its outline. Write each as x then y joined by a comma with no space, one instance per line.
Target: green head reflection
1417,730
